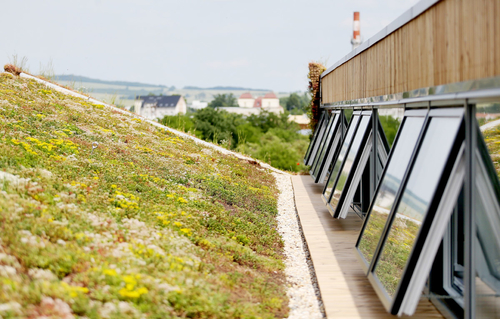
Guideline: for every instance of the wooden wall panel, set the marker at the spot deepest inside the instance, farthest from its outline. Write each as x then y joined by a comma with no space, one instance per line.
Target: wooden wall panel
452,41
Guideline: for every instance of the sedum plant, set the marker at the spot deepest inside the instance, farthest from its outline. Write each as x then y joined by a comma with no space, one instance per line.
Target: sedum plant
103,215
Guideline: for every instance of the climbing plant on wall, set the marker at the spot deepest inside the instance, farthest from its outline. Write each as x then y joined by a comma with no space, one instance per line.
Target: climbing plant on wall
315,70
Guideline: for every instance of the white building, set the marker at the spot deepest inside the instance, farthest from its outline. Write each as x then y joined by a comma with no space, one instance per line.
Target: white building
251,105
270,100
153,107
246,100
198,105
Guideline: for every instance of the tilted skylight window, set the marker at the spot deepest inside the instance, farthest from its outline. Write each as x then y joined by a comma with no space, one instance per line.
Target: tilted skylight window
318,135
351,130
394,173
356,162
329,149
410,231
360,139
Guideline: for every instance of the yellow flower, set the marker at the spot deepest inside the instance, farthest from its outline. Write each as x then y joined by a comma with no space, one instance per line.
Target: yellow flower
110,272
129,280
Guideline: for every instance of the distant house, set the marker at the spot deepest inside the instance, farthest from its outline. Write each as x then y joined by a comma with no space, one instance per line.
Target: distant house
153,107
246,100
270,100
254,105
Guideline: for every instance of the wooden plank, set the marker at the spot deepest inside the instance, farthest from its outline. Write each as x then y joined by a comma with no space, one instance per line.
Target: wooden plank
452,41
345,290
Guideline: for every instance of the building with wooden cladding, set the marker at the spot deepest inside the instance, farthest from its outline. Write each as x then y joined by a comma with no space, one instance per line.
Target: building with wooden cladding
428,202
434,43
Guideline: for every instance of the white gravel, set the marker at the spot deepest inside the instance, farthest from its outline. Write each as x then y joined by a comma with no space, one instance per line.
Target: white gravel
303,291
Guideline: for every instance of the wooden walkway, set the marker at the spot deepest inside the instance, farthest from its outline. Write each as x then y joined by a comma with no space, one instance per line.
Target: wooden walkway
345,290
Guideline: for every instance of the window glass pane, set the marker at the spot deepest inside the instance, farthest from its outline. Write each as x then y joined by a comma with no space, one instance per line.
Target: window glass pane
324,144
415,201
340,158
331,162
317,141
348,114
487,213
390,119
488,233
389,187
313,138
487,255
356,143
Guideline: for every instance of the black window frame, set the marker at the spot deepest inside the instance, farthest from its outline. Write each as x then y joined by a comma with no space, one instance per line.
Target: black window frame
344,146
330,148
325,139
318,133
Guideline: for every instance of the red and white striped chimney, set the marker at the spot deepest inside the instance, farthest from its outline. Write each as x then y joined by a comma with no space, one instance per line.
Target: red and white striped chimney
356,33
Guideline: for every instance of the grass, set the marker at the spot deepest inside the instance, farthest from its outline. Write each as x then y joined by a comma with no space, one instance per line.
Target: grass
396,252
145,225
372,233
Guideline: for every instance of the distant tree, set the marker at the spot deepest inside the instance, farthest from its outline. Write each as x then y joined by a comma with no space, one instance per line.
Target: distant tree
295,103
266,136
223,100
390,126
151,94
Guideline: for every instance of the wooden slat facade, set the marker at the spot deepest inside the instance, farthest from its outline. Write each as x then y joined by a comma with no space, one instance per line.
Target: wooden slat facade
452,41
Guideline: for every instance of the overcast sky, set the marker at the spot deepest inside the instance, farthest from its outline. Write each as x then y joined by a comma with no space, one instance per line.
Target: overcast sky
256,44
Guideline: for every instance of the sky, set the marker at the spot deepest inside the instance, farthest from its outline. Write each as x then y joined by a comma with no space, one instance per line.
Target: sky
256,44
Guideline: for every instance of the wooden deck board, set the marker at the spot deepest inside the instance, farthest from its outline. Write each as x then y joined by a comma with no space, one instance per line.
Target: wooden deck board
345,290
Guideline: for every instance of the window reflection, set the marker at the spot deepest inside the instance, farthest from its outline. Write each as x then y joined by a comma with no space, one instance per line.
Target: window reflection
389,187
343,152
318,139
356,143
415,201
324,145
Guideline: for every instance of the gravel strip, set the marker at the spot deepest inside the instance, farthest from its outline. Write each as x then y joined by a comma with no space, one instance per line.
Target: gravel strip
303,291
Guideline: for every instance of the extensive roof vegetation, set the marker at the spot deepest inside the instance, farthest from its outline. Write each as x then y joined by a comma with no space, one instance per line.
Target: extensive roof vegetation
104,215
